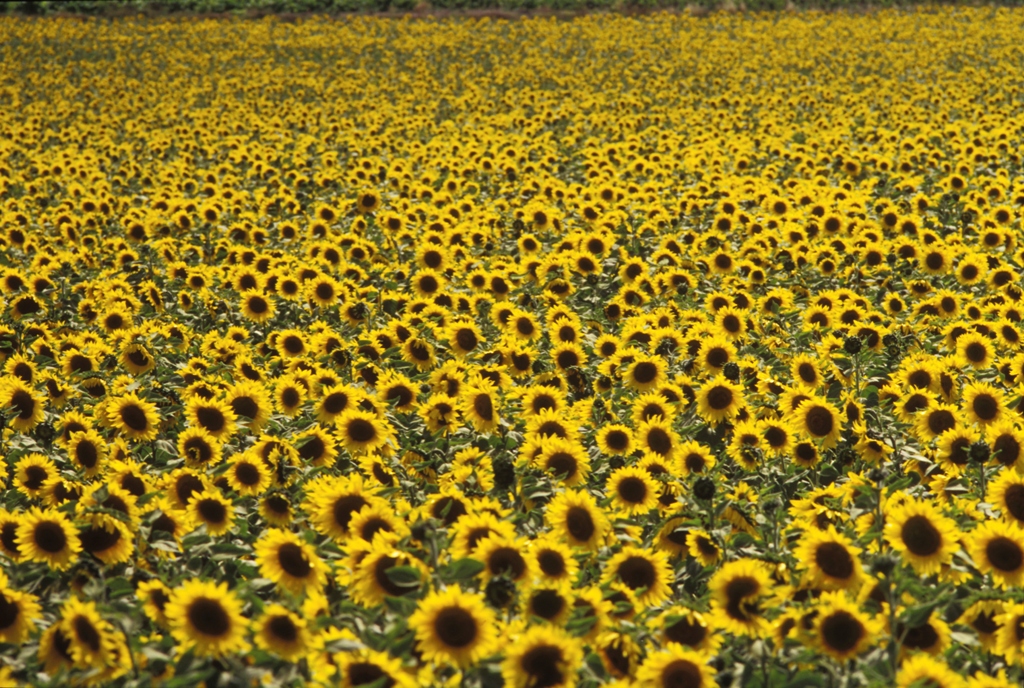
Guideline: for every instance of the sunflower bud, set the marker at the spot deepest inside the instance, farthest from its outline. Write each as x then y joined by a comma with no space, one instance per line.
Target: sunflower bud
884,564
980,452
500,591
704,488
504,473
852,345
731,370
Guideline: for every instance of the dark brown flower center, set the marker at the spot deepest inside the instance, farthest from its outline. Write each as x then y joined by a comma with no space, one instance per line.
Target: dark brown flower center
543,664
719,398
293,560
638,572
920,536
50,537
1004,554
580,523
455,627
841,631
135,418
209,617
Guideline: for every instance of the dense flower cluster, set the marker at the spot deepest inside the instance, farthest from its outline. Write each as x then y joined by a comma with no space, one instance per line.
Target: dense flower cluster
657,351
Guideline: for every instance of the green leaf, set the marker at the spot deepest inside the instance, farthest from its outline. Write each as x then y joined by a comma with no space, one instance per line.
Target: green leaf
806,679
462,569
403,606
404,576
918,614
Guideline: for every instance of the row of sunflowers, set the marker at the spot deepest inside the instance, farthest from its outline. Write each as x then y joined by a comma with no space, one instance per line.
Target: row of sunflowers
657,351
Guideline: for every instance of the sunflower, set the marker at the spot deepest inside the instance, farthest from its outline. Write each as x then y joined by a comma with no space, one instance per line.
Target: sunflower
981,617
565,460
23,407
31,472
693,457
633,490
18,614
1006,443
805,372
645,373
935,420
575,517
88,452
818,419
289,562
419,352
199,448
719,400
134,417
248,475
953,448
137,358
471,529
998,548
672,537
154,596
615,439
276,510
553,561
281,632
214,416
323,290
108,539
1010,631
372,581
397,391
703,548
657,436
1007,495
377,518
206,617
651,406
479,402
464,338
974,350
335,400
841,630
454,626
647,573
257,306
440,413
362,431
737,589
213,510
8,534
249,401
289,395
55,650
924,670
675,666
365,667
48,537
924,537
291,343
714,352
542,656
90,638
332,502
831,560
688,628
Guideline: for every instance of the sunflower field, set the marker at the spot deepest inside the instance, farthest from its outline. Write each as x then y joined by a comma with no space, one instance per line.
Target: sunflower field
655,351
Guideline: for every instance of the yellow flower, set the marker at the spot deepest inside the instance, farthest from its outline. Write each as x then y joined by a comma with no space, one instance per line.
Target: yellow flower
206,617
453,626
